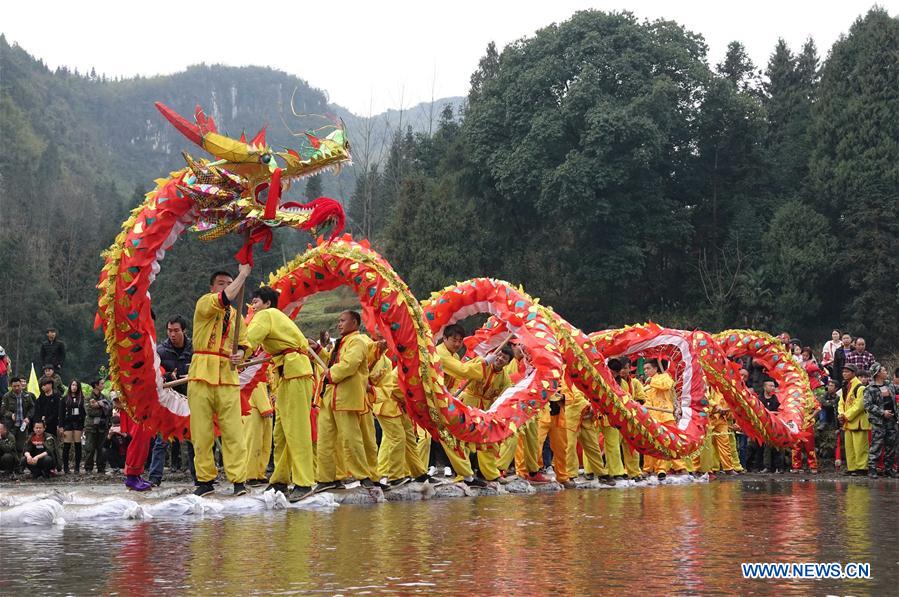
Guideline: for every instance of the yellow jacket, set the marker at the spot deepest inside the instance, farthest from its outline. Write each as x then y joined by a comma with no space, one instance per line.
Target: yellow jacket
455,370
481,393
388,396
634,388
575,406
852,406
349,374
281,338
260,401
660,394
212,342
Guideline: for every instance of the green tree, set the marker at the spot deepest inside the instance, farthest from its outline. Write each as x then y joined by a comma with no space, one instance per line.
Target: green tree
855,170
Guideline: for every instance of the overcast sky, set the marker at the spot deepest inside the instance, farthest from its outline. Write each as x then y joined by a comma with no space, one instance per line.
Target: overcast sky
372,55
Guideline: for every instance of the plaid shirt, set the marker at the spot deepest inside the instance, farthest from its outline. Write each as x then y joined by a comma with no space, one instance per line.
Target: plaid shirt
862,360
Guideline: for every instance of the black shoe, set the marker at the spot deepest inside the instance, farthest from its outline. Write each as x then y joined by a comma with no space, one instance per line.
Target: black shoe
156,482
872,474
256,482
367,483
423,478
327,485
299,492
282,487
398,482
475,482
661,476
204,489
240,489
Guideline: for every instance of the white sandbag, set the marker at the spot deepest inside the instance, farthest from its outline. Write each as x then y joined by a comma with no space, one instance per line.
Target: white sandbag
185,505
8,500
44,512
106,509
324,501
258,502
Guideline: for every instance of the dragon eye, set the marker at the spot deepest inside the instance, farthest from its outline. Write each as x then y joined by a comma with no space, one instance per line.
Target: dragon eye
266,158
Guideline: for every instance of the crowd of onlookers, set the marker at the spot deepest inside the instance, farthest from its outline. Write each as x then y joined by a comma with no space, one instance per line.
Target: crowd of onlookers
852,413
851,417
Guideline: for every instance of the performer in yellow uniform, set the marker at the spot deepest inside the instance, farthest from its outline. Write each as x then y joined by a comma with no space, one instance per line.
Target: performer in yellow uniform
581,424
660,395
343,403
213,387
854,419
718,436
258,434
454,371
611,436
551,422
634,388
291,375
481,393
526,456
398,457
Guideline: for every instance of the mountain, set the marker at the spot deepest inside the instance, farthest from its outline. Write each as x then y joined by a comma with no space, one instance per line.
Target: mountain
81,150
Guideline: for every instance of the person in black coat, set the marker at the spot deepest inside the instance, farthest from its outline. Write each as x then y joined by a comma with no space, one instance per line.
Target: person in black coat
53,351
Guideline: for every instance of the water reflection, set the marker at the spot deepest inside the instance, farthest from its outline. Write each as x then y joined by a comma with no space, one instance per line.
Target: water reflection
682,540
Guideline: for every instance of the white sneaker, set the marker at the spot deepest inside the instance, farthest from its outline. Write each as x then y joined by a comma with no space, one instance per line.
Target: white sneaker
447,471
432,471
351,485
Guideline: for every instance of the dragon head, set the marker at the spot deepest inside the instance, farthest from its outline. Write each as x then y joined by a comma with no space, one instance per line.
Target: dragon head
242,188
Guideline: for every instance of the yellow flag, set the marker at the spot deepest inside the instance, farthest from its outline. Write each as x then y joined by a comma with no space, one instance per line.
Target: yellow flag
32,383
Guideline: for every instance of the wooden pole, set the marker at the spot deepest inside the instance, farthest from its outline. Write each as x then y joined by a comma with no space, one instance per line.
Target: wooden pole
183,380
239,322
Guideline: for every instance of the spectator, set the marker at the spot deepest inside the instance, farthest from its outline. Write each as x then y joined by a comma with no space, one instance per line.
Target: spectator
39,452
829,401
796,350
830,347
880,405
96,423
861,358
53,351
175,353
839,356
47,408
9,455
5,365
807,360
17,411
71,417
117,441
759,455
53,376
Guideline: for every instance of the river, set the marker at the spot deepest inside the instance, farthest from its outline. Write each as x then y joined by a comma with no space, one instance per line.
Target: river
660,540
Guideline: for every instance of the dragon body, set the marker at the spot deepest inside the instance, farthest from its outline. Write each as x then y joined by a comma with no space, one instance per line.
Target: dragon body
556,351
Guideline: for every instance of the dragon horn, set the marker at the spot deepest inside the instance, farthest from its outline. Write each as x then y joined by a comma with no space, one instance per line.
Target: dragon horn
259,139
191,131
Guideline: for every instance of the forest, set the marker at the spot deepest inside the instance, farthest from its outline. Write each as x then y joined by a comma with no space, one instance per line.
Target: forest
603,163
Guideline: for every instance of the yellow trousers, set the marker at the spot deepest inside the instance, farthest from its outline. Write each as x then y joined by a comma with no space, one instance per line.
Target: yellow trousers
414,463
631,459
423,445
588,435
204,401
293,433
855,447
258,437
460,463
370,443
526,449
735,454
340,431
507,452
554,427
392,452
651,464
612,449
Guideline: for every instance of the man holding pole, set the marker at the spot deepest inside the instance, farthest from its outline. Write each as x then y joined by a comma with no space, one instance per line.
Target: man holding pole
214,388
291,379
